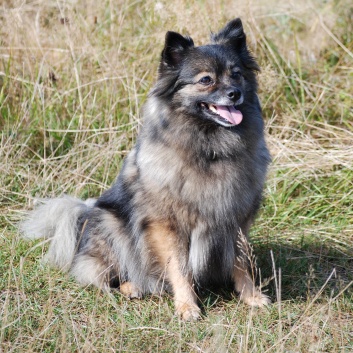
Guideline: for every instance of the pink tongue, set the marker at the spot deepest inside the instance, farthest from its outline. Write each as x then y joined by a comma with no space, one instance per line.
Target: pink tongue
229,113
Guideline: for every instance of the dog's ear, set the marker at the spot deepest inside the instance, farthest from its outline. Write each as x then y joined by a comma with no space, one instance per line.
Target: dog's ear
174,49
233,35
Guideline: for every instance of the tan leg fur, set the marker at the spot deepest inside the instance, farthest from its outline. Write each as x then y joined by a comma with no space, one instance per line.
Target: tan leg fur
162,243
244,285
130,290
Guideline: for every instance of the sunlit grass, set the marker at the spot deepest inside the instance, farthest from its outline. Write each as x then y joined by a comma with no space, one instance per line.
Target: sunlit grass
73,78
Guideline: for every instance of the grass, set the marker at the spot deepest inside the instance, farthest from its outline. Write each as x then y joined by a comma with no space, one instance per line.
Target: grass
73,77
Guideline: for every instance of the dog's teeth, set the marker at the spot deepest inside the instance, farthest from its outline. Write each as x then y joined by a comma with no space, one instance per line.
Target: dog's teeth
213,108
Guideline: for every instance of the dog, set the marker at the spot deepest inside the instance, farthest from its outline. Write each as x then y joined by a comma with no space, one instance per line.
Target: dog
178,216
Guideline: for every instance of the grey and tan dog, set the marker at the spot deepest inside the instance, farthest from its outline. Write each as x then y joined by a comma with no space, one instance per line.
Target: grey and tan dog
188,191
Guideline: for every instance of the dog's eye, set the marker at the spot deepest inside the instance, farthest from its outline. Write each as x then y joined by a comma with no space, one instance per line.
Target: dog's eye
236,76
206,80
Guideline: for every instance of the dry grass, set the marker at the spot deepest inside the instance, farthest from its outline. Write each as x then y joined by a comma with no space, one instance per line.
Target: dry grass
73,76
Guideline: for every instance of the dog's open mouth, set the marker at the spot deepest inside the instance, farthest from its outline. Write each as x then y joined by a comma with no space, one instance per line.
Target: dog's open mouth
226,115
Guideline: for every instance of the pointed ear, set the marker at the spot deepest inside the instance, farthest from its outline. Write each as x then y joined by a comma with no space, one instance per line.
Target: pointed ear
174,50
233,35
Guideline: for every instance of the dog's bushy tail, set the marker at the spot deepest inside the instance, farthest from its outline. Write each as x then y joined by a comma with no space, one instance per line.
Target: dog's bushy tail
57,219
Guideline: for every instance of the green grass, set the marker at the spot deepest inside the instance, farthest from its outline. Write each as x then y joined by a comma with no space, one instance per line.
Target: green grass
73,78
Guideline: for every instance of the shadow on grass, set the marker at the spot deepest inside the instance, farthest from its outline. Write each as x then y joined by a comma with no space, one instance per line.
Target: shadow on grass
303,270
301,273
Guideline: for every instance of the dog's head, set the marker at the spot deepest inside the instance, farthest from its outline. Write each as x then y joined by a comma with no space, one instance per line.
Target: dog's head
212,81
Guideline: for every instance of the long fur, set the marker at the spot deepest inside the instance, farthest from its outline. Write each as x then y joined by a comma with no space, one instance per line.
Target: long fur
187,191
57,220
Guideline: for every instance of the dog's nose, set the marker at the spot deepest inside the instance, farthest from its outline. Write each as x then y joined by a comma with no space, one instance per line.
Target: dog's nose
233,93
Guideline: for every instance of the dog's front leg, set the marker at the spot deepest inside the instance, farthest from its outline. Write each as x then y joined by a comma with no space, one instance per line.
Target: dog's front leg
185,299
162,242
244,285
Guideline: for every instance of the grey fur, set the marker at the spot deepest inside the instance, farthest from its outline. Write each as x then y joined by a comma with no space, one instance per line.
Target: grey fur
56,219
200,180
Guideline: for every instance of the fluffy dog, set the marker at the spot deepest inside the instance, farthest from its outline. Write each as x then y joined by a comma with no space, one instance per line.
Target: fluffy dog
177,216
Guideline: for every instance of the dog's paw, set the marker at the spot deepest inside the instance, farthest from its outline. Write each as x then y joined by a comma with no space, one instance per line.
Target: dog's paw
256,299
188,312
130,290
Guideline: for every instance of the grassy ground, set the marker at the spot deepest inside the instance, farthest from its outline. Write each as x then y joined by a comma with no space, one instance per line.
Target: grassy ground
73,76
